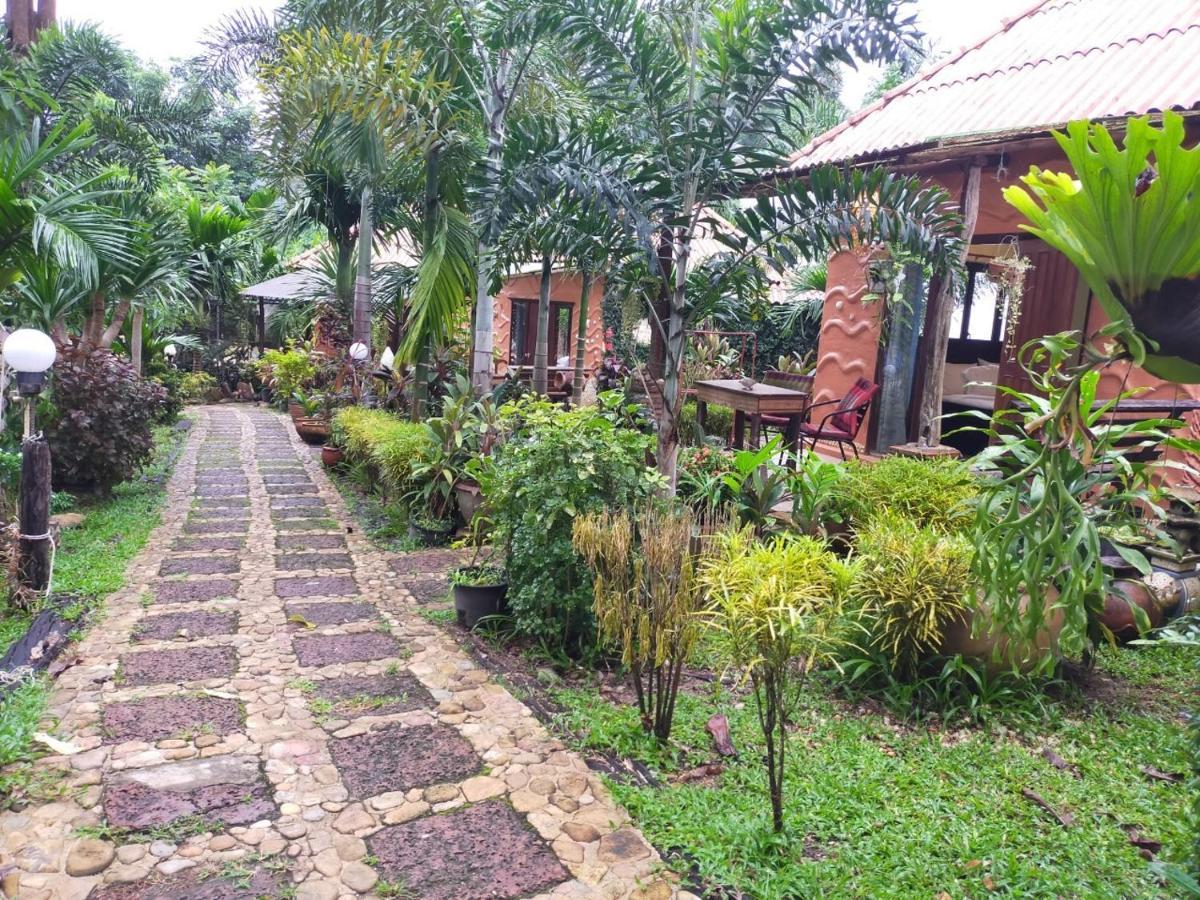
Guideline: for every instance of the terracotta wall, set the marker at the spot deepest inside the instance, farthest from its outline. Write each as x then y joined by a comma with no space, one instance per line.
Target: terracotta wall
849,342
850,330
564,287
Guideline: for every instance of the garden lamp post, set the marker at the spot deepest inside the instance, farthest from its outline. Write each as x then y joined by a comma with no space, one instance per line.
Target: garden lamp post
30,353
169,352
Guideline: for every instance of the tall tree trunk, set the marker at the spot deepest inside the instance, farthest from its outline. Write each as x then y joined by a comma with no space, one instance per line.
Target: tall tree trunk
660,310
541,349
495,111
47,15
344,277
362,285
585,290
937,322
109,334
433,199
135,338
20,21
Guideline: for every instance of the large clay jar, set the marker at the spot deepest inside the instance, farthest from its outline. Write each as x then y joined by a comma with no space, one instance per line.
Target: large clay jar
995,649
1118,609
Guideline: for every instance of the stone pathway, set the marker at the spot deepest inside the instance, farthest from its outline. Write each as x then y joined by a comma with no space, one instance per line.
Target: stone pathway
262,713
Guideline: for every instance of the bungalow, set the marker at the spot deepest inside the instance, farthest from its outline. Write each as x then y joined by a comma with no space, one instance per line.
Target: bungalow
974,123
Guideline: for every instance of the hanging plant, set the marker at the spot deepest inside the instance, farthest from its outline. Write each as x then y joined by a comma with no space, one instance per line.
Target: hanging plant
1130,222
1009,270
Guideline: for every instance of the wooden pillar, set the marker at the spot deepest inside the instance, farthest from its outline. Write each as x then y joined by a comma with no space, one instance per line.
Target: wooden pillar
932,360
33,569
262,325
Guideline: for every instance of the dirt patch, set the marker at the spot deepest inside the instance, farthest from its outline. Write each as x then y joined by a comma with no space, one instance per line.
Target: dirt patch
398,759
310,541
194,591
184,664
485,850
202,623
288,490
427,562
316,586
217,526
205,885
157,718
194,544
331,613
356,695
290,562
200,565
327,649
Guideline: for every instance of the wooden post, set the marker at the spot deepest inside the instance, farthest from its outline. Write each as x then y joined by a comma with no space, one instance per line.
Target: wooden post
33,570
937,322
262,325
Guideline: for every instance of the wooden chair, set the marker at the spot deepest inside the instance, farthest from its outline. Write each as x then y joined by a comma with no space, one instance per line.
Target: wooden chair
792,381
842,424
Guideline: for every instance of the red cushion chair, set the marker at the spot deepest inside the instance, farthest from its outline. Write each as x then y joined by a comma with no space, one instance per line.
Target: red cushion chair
842,424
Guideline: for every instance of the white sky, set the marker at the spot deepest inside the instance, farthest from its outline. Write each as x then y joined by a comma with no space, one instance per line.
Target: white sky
160,30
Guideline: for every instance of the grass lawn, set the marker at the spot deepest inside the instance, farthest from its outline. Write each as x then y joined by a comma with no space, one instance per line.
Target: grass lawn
877,807
90,561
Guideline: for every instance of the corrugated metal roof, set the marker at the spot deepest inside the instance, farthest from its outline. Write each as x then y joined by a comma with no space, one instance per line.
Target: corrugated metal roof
1059,61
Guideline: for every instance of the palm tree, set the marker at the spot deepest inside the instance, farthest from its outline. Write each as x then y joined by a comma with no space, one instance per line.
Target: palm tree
696,93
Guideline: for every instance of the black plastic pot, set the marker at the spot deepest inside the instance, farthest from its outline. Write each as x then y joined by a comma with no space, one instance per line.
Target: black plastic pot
430,537
473,602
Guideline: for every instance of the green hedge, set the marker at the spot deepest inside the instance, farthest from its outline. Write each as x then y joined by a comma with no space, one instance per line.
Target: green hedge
386,445
718,423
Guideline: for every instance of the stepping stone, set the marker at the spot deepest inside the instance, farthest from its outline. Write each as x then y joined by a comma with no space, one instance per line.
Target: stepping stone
195,591
485,850
195,544
357,695
331,613
202,623
185,664
297,501
200,565
327,649
158,718
429,590
217,526
221,503
427,562
225,790
198,885
396,758
310,541
290,562
307,525
316,586
301,512
286,490
220,490
298,478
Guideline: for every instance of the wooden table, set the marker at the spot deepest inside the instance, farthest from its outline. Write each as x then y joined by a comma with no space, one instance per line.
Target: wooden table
762,399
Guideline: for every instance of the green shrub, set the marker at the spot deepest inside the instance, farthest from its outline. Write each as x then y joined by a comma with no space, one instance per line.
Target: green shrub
101,425
939,493
171,381
718,423
557,466
910,582
198,387
385,445
286,371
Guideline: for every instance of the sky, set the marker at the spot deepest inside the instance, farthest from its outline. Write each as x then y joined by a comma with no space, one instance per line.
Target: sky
160,30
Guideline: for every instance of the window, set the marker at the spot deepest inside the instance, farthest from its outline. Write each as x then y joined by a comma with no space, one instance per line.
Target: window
523,340
980,317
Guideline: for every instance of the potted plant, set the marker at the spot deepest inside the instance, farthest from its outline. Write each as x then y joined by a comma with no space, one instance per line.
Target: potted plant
479,591
429,528
331,455
313,424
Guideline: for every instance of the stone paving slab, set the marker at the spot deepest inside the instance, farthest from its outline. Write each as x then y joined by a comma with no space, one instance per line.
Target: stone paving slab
292,562
330,613
323,717
200,565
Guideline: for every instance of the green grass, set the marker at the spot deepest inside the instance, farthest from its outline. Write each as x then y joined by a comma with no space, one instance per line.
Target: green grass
876,808
384,523
90,561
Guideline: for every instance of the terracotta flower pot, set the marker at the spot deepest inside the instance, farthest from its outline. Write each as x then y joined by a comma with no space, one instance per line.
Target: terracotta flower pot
312,430
994,648
296,411
331,456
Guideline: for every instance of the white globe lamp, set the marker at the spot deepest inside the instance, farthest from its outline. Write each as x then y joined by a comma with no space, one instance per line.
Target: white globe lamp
30,353
170,351
359,351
